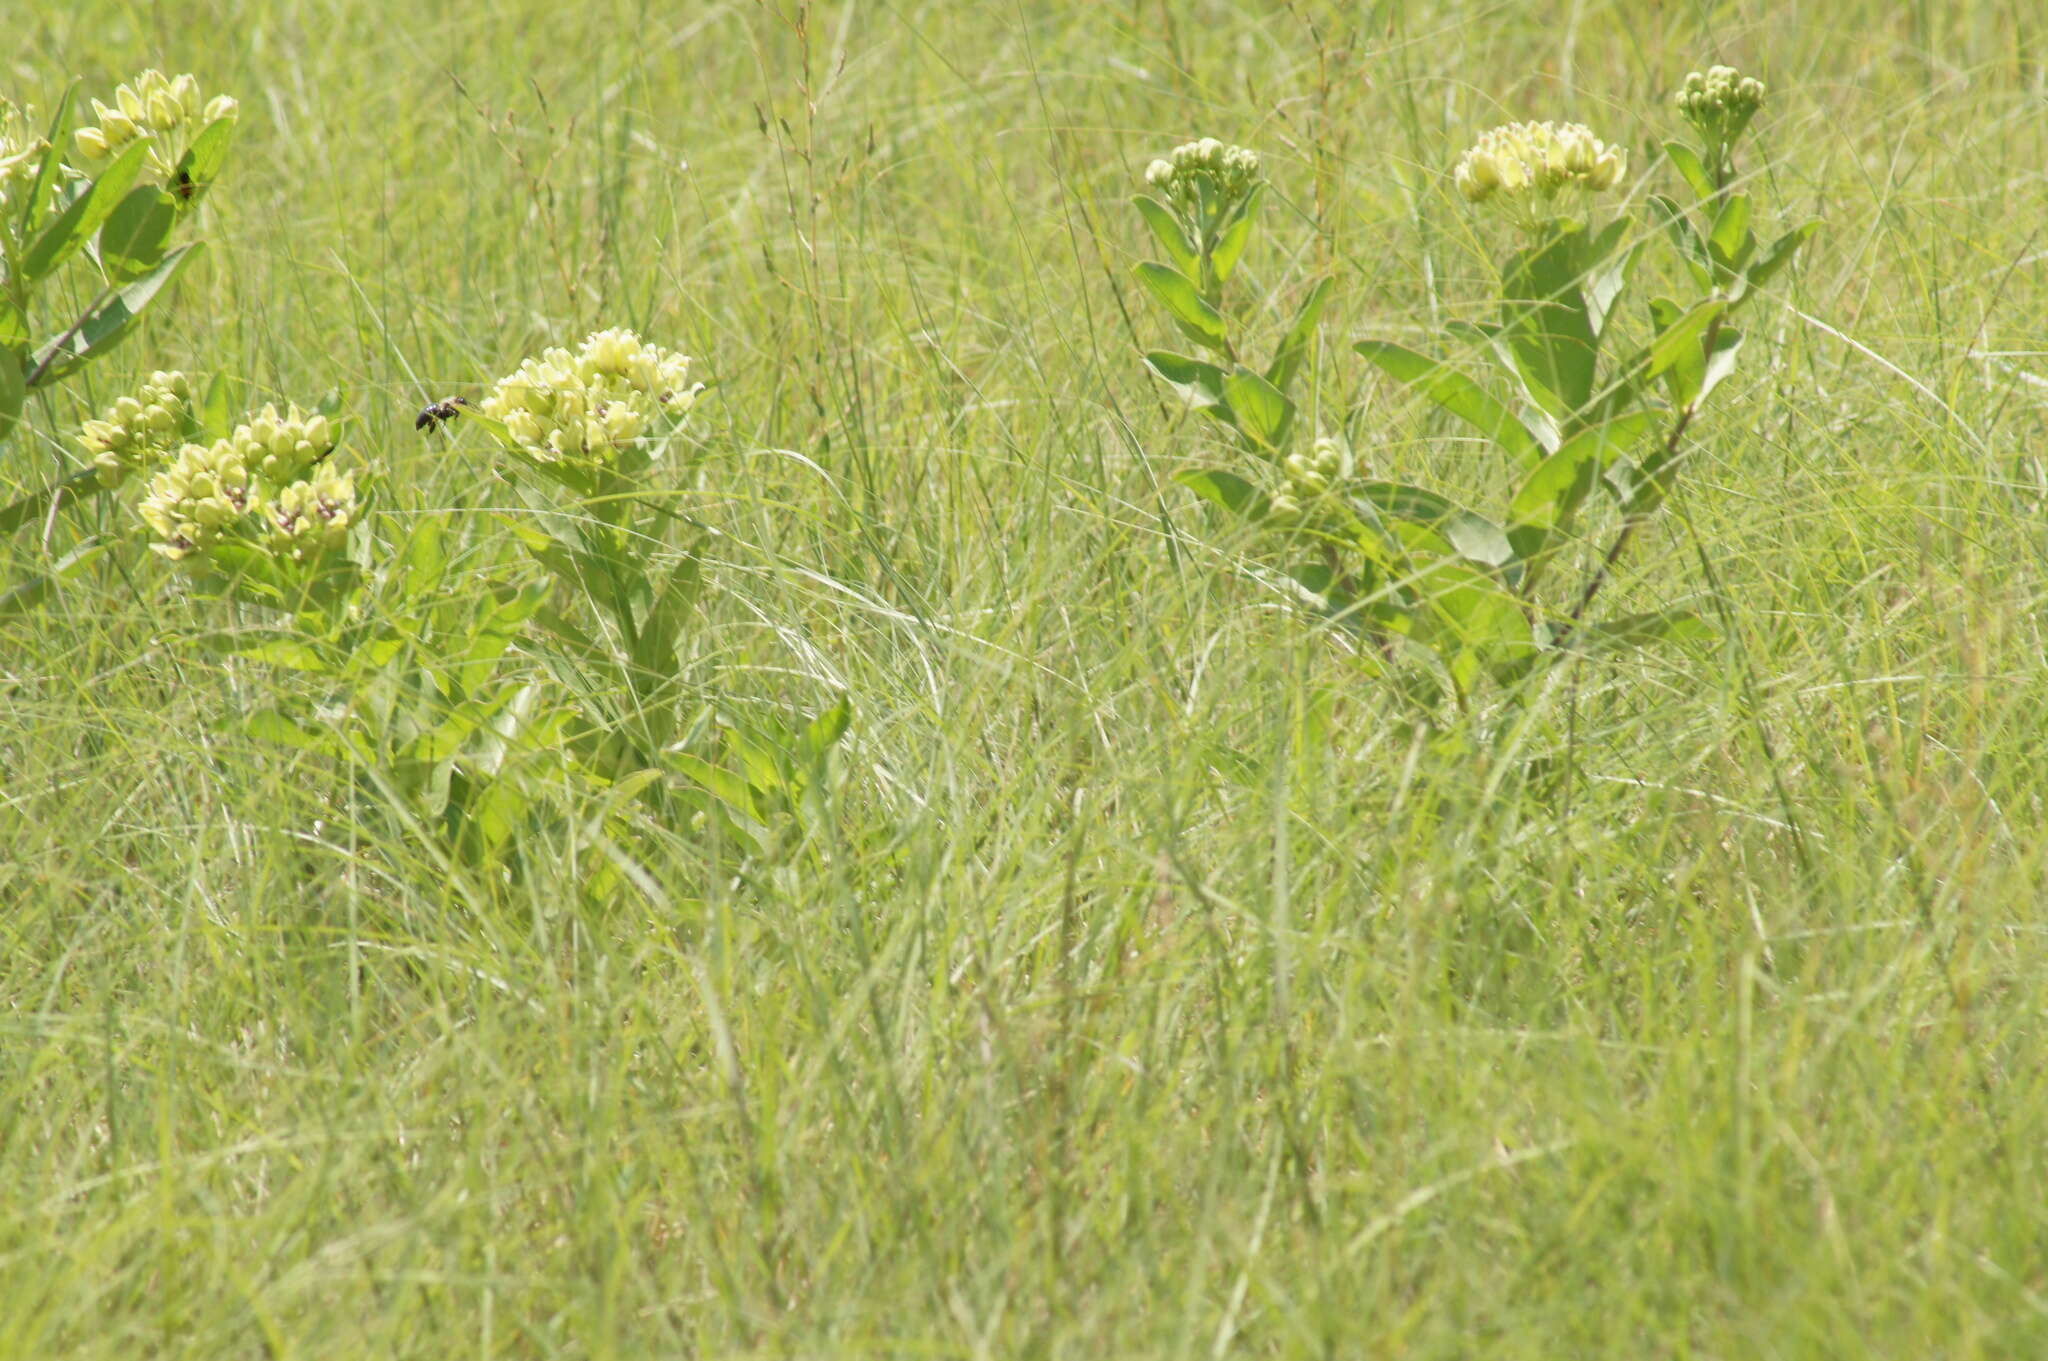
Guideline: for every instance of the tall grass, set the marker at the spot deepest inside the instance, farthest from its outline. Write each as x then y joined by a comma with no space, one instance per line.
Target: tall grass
1142,992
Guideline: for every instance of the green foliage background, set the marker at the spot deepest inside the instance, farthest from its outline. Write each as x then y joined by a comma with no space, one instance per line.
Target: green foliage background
1142,992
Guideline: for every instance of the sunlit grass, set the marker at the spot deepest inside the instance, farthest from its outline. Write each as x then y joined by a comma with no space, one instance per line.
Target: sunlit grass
1142,990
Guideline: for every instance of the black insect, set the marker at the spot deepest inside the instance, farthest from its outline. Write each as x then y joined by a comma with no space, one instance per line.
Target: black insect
183,185
440,413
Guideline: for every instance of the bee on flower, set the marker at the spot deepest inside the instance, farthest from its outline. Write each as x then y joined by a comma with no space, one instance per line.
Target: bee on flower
611,393
1526,168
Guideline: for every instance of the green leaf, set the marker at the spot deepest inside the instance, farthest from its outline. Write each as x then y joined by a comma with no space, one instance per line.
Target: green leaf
1489,340
822,733
292,654
1230,245
1686,237
1471,622
217,408
1720,363
1694,171
723,785
1604,289
1199,382
1545,320
1455,393
14,331
38,198
1674,625
26,595
1730,241
109,320
1227,490
1202,323
654,655
1287,359
137,233
13,393
201,164
1470,536
81,484
1677,351
1779,253
1165,225
77,223
1263,411
1551,495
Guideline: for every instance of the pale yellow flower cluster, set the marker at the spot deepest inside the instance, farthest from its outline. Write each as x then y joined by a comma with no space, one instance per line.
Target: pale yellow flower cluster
277,448
265,483
310,519
21,150
152,106
1524,167
199,500
1227,171
611,392
1720,102
139,431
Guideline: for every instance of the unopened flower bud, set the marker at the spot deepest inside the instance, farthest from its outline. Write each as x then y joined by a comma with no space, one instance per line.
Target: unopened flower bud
222,106
164,112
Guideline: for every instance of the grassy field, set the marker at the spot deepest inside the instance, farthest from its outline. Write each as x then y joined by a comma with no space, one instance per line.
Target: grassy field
1141,988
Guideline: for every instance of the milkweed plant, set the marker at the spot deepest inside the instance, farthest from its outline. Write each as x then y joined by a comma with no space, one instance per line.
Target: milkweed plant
105,206
1449,600
586,435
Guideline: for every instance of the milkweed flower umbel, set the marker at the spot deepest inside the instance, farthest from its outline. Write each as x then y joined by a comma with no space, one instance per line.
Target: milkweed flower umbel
266,486
1204,176
1720,102
1525,168
607,395
21,151
152,106
138,432
311,518
199,500
277,448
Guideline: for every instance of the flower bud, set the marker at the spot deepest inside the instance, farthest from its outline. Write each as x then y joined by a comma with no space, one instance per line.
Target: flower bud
164,112
91,143
222,106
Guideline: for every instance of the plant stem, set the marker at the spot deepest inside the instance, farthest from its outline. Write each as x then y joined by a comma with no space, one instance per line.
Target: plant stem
1631,521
